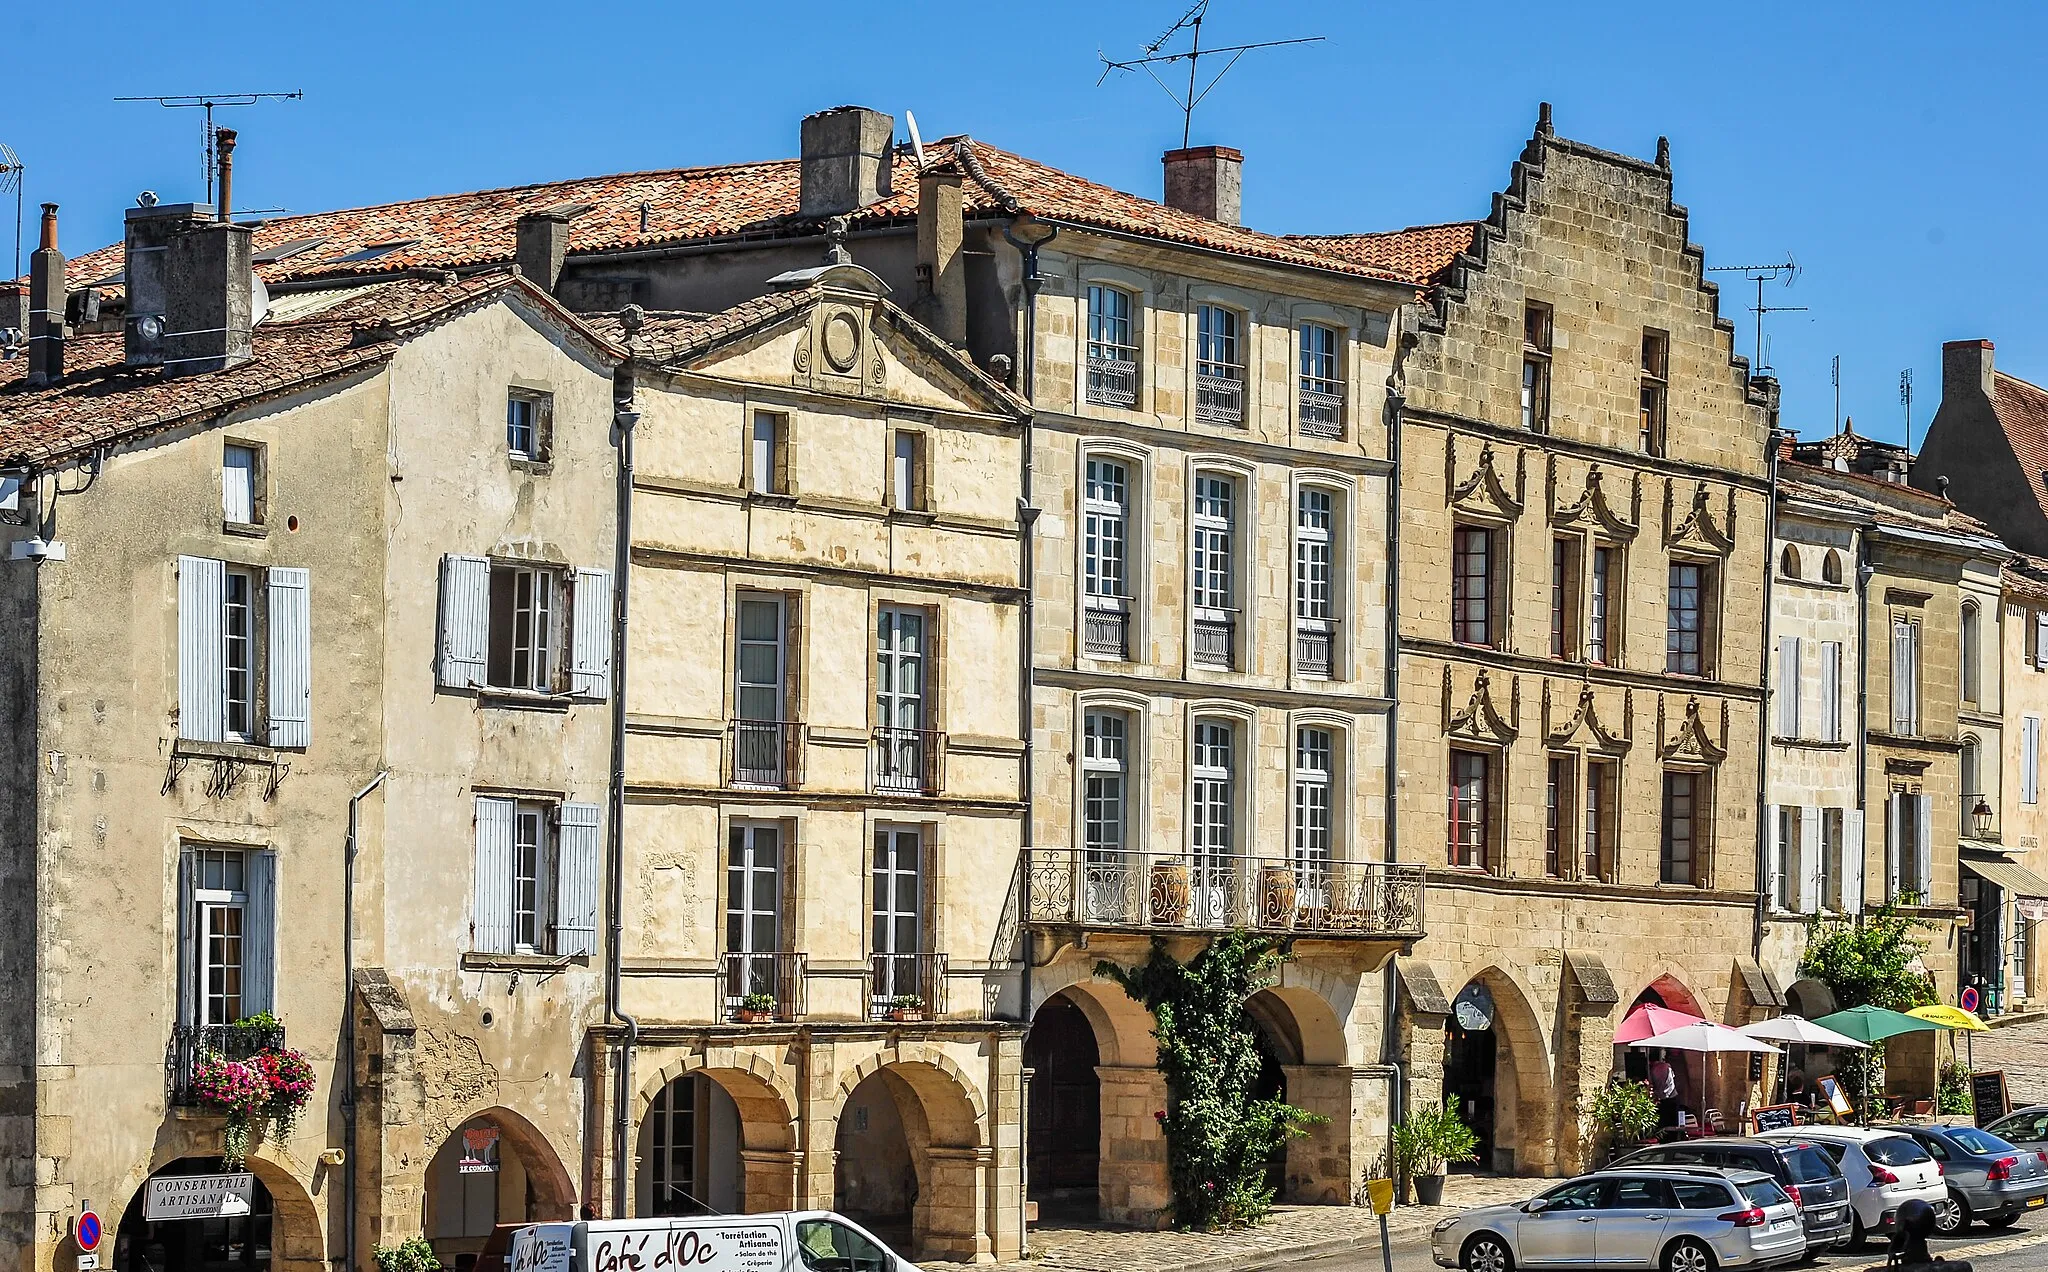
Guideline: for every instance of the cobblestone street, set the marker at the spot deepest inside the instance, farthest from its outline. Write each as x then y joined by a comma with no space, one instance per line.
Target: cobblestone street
2021,1049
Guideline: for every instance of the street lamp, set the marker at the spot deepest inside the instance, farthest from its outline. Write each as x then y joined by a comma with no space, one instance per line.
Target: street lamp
1981,815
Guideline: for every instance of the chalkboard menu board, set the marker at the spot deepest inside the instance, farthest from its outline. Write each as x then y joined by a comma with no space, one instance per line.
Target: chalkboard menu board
1987,1092
1776,1117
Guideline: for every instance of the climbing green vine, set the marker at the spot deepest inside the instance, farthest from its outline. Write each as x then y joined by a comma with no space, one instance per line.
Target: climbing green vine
1219,1134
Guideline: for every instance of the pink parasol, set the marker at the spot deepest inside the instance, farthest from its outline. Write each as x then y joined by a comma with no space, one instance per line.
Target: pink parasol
1648,1020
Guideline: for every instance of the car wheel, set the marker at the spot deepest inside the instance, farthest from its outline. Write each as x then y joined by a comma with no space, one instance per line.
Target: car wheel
1487,1253
1952,1215
1858,1235
2002,1221
1688,1256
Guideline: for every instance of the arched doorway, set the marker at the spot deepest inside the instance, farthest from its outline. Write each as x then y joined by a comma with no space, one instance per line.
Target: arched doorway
1640,1064
1064,1131
1497,1076
690,1151
493,1169
1472,1065
908,1160
234,1234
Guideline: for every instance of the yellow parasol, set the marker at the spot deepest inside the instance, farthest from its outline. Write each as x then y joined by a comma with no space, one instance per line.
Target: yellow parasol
1950,1018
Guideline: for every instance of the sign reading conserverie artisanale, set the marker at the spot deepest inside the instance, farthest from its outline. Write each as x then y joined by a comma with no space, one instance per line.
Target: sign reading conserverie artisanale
200,1196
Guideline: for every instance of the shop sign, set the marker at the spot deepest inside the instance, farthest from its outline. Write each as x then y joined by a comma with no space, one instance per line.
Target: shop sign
1473,1008
199,1196
479,1151
2033,909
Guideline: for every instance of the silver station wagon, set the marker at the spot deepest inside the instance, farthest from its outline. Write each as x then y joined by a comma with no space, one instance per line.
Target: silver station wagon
1676,1218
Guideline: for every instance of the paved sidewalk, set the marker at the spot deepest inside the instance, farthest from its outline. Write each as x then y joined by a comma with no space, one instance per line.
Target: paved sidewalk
2019,1048
1293,1232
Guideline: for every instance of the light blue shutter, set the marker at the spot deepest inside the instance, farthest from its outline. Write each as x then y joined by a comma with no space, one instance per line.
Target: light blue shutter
1830,691
202,672
2030,759
491,924
1891,847
1809,860
1773,860
576,890
259,933
2041,639
590,670
188,937
291,657
1852,861
1923,850
465,620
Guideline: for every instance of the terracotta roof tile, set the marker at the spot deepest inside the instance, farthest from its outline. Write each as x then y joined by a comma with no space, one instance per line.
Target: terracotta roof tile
2022,411
1886,503
1422,253
2027,576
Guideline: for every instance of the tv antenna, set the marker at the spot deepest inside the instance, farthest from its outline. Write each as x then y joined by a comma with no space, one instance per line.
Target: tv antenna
11,168
1789,271
1187,100
1906,400
206,102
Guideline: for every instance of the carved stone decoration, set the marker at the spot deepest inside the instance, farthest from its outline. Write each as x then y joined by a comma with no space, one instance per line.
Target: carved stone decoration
1481,721
1691,741
1592,508
1699,530
803,354
1484,490
877,371
1584,728
841,341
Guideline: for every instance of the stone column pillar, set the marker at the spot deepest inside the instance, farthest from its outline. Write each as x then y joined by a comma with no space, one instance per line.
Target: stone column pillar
1325,1165
1132,1181
774,1178
818,1125
391,1135
951,1213
1005,1136
1421,1038
1592,1061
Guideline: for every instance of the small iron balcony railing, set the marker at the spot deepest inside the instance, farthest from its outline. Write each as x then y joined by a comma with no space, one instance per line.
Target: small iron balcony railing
1322,413
906,761
192,1045
1106,633
766,752
894,977
781,976
1193,891
1219,395
1113,375
1216,637
1314,641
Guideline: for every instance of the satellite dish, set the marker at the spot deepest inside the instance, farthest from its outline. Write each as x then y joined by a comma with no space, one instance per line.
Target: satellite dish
916,142
259,298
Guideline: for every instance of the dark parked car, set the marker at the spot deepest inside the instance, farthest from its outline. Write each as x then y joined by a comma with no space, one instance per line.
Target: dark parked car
1988,1179
1816,1184
2024,1128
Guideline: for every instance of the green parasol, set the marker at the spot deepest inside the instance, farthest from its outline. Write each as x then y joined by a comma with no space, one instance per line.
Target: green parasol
1873,1024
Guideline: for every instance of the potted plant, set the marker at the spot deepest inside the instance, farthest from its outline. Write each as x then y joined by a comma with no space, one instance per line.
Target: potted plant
290,1078
756,1008
415,1254
239,1089
1431,1140
1625,1112
906,1007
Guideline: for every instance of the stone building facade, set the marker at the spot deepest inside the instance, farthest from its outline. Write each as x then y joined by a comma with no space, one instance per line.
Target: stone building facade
2007,917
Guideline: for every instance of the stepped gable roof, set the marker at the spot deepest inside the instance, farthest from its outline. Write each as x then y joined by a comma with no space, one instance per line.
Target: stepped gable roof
100,399
1420,253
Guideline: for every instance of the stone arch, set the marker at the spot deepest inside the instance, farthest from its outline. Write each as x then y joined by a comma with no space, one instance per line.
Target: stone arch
942,1117
1670,987
1522,1124
939,1083
765,1095
298,1233
1123,1027
1667,986
554,1192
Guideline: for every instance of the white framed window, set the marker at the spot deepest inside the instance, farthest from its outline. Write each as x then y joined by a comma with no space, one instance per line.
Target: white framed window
897,876
1830,691
536,875
244,653
1105,784
1212,819
1212,583
227,928
238,652
1219,365
1905,675
222,898
1112,348
1106,557
1791,863
529,419
525,627
241,484
1315,763
1315,597
532,871
524,618
1831,867
753,907
768,453
900,667
1908,839
907,485
1322,381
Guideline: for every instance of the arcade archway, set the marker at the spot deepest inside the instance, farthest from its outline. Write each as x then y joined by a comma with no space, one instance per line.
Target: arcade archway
1497,1075
909,1153
1064,1133
263,1221
495,1168
714,1140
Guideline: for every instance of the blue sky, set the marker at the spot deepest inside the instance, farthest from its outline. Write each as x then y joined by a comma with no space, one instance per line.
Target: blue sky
1896,150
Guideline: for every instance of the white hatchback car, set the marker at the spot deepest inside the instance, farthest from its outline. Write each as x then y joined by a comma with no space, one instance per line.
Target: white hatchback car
1885,1170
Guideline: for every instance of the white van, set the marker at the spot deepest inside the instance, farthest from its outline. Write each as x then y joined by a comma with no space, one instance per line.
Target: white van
780,1241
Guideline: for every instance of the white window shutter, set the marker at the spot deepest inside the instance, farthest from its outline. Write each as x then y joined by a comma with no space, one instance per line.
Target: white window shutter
291,657
188,938
1923,850
259,933
1797,683
1913,678
1852,860
465,620
1809,860
576,893
590,670
1775,859
491,924
2041,639
2030,759
202,658
1891,847
1830,692
1901,699
1788,689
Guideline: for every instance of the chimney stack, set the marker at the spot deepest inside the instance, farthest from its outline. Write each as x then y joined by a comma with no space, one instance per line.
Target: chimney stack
1207,181
846,161
46,305
224,146
1966,369
941,270
543,244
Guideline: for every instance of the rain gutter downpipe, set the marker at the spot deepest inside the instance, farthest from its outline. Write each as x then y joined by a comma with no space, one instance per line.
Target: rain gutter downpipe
1390,1049
348,1022
1764,831
625,417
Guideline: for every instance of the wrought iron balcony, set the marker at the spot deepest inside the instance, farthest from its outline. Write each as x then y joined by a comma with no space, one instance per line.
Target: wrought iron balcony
1195,891
781,976
1219,395
906,761
1113,375
894,976
1322,413
1313,641
192,1045
766,753
1216,637
1106,633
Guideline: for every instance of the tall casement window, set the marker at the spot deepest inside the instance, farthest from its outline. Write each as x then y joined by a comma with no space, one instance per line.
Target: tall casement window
1314,763
1830,691
1656,390
1315,616
1971,766
1791,864
1471,810
898,926
1905,675
1559,799
1219,365
1790,653
909,491
768,454
1213,819
905,749
536,876
241,484
525,627
1536,324
1212,583
1322,381
1112,348
1473,549
753,909
524,617
1601,830
227,934
1105,568
672,1144
1603,606
1682,858
764,734
244,653
529,424
1909,858
1105,785
1833,890
1564,597
1689,619
1972,655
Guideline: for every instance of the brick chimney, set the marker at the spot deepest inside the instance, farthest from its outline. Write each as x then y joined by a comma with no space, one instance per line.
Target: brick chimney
846,159
46,305
941,302
190,285
1207,181
543,245
1966,369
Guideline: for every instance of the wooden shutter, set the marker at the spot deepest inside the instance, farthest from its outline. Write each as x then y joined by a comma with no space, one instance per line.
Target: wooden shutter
590,655
792,655
188,937
1830,691
576,891
1852,860
1902,678
2030,759
491,923
2041,639
1891,847
1923,854
1809,860
1774,859
291,657
259,933
202,670
1788,687
465,620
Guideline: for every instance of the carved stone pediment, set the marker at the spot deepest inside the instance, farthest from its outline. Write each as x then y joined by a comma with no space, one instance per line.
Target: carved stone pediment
1582,728
1593,510
1480,720
1483,490
1692,740
1700,530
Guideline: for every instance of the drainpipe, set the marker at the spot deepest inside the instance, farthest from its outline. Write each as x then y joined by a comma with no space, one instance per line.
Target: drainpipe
348,1022
625,416
1390,1050
1763,725
1864,569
